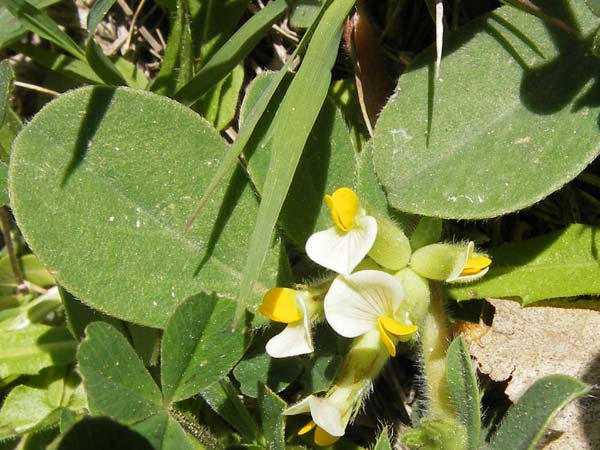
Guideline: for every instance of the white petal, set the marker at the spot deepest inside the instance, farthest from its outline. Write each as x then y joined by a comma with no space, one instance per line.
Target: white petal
355,302
342,251
327,415
461,262
295,339
301,407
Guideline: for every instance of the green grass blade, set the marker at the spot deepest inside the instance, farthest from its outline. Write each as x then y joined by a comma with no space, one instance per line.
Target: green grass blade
70,67
177,66
38,22
6,78
235,50
103,66
97,13
527,420
293,123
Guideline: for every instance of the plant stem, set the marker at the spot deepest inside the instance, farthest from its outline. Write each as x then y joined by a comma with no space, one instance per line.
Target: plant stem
434,341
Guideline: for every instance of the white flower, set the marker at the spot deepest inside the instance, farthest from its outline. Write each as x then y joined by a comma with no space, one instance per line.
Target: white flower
469,267
343,246
328,419
288,306
365,301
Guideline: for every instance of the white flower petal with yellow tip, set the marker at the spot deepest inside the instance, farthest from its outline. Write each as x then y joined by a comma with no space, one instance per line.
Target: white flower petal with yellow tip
365,301
469,266
288,306
342,247
327,416
355,302
324,413
341,251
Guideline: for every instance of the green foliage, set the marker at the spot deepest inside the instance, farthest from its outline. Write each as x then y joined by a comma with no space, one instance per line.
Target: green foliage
490,138
272,419
274,373
100,433
177,67
223,399
37,21
383,442
231,53
119,194
219,104
115,379
31,349
134,203
39,404
527,420
297,112
560,264
463,390
327,163
10,27
6,78
198,346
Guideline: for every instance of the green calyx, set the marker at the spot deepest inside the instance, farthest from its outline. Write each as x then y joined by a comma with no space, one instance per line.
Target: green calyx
437,261
391,248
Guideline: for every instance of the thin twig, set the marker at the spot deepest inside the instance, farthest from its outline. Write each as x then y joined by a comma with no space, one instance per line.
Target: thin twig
133,20
35,87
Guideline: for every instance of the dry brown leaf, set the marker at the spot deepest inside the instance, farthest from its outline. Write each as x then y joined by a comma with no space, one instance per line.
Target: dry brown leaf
558,337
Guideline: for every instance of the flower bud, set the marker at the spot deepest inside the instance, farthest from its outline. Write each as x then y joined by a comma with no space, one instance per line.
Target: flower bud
450,263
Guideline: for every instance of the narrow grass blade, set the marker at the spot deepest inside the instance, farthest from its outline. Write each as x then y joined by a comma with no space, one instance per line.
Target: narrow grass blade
6,78
176,68
293,123
235,50
103,66
527,420
38,22
97,13
70,67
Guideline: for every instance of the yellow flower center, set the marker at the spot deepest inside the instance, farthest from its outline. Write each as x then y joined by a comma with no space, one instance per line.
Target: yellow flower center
322,438
476,265
387,326
280,305
344,206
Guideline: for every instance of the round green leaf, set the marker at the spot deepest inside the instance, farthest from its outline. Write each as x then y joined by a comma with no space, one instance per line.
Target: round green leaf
102,182
199,347
514,117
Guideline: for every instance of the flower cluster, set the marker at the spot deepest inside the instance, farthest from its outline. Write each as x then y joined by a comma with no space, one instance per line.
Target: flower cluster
378,298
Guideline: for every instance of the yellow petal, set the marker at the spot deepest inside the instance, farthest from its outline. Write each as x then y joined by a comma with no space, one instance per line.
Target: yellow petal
323,438
397,328
279,305
387,341
476,265
344,206
306,428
